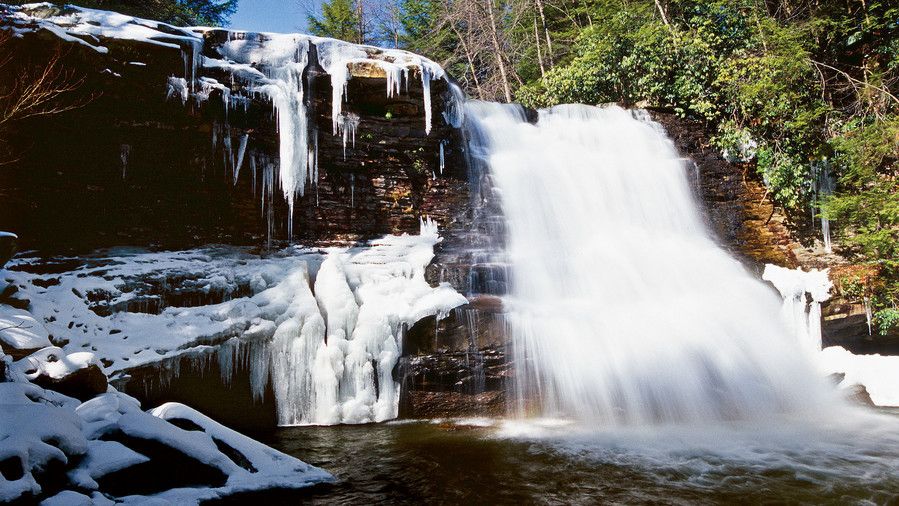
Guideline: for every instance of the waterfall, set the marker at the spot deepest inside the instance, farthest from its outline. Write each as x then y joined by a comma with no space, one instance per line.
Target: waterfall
623,308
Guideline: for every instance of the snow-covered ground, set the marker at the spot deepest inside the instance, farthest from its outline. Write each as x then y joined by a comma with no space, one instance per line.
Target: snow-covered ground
324,326
878,373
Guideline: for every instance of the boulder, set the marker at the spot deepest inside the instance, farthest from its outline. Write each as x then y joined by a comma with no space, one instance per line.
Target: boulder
75,375
20,333
858,394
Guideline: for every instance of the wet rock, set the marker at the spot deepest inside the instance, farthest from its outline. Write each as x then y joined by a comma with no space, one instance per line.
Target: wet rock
454,404
736,205
858,394
475,326
466,383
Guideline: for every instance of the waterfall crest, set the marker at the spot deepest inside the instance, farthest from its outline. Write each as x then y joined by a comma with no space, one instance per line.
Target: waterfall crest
623,308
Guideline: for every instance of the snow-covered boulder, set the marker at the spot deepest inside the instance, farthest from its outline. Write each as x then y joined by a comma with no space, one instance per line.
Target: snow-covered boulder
20,333
77,375
107,449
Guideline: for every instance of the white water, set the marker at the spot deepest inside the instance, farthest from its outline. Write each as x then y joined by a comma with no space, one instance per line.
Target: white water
623,309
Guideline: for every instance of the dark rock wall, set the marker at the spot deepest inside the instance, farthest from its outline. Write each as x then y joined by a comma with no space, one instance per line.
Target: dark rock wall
133,167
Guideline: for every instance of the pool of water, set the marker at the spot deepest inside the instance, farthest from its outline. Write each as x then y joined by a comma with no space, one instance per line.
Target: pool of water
555,462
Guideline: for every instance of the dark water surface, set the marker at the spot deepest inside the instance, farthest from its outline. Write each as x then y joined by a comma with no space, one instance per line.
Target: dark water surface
466,463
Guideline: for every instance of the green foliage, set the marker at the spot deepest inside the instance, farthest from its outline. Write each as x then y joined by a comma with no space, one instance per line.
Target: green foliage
869,205
794,84
886,319
340,20
424,32
209,12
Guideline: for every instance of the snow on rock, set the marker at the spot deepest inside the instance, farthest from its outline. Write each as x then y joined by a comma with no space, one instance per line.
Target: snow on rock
801,312
124,306
260,64
803,292
54,363
36,431
43,433
325,329
19,330
879,374
72,498
279,469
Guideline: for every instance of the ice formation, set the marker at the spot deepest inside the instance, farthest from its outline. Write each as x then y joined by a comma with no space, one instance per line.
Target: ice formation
878,373
822,187
802,312
623,309
803,292
265,65
326,330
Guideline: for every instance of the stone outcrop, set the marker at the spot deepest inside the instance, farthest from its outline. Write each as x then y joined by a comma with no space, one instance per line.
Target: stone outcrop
133,165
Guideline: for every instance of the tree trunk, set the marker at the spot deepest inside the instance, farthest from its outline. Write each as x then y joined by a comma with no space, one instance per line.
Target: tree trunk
549,44
662,13
494,35
468,56
537,42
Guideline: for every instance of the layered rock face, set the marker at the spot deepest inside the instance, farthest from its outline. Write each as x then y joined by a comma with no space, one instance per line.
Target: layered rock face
178,132
752,228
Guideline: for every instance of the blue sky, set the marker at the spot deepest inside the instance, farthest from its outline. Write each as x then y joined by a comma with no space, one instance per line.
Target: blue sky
271,15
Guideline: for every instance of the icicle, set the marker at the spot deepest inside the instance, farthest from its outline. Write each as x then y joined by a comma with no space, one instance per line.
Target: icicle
394,75
822,186
315,160
426,87
241,150
869,317
253,173
339,77
124,154
177,87
192,56
804,315
352,190
227,152
442,159
347,125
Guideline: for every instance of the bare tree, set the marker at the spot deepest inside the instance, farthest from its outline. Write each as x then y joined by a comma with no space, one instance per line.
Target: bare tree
28,89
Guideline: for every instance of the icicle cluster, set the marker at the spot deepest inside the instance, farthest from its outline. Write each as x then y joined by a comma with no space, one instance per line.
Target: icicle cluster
264,65
802,292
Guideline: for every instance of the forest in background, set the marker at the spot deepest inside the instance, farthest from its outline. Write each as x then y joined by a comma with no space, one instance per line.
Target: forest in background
802,91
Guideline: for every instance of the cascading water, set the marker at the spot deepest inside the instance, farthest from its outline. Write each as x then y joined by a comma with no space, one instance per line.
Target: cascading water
623,309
